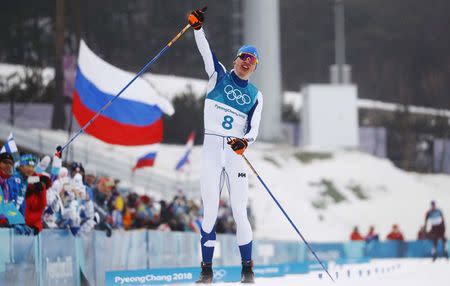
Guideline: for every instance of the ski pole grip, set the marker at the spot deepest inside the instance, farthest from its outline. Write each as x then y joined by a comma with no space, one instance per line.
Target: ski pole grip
58,152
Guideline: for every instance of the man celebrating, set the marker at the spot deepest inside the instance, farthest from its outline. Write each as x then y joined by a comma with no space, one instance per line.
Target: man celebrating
436,219
32,191
232,114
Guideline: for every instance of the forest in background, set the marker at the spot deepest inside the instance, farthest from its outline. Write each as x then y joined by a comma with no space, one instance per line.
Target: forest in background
399,51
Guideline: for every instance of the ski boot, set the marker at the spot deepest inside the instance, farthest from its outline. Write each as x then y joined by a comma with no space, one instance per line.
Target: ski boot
446,254
206,276
434,254
247,275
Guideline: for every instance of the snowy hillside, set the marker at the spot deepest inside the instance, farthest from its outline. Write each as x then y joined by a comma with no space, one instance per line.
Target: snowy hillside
327,196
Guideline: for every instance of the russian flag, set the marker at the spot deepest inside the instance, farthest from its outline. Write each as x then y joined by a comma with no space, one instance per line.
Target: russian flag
132,119
185,159
10,145
148,160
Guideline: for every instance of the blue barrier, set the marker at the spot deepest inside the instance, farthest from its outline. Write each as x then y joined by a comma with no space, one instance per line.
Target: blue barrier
190,274
55,257
59,265
20,259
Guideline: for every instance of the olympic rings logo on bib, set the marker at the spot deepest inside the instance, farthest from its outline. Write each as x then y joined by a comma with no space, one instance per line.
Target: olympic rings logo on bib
235,94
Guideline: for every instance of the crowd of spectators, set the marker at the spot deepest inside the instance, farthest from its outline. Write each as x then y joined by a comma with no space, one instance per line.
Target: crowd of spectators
394,234
49,195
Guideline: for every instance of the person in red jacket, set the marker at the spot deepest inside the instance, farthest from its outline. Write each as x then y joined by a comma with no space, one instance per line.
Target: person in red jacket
356,235
35,189
395,234
36,201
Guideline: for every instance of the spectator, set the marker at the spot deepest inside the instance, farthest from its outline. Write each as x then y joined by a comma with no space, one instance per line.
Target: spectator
371,235
18,182
34,189
6,171
53,213
117,207
103,193
436,219
356,235
422,234
87,214
395,234
71,206
76,168
90,179
8,212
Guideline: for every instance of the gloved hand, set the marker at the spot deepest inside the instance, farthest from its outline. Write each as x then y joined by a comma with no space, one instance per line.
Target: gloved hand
45,180
74,230
34,185
23,229
238,145
58,152
196,18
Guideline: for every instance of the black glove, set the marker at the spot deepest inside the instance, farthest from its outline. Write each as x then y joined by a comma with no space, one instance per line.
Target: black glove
58,152
238,145
196,18
46,181
38,187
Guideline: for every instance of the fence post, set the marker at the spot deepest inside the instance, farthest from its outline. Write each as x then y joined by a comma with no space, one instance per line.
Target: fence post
38,260
78,253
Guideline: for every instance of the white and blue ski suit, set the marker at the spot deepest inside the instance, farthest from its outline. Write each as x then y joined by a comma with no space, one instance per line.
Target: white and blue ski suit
232,109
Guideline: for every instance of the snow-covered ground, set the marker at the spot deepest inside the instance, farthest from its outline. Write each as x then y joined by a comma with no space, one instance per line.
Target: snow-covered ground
386,272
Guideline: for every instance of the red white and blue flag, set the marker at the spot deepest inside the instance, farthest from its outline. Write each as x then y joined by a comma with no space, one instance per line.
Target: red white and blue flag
148,160
134,118
185,159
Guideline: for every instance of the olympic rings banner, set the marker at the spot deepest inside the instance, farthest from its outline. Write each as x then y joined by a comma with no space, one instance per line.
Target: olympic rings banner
189,275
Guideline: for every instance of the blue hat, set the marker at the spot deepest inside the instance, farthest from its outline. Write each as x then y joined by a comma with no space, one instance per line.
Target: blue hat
248,49
27,160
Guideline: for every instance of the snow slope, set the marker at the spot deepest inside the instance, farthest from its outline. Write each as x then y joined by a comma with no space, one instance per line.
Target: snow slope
393,196
387,272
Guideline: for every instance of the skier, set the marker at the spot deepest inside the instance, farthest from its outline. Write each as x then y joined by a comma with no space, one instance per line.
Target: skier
436,219
232,114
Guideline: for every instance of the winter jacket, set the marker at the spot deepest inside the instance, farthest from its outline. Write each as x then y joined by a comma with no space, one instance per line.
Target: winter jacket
35,203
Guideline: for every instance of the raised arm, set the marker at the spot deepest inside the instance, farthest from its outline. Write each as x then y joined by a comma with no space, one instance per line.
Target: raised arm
210,60
205,51
212,64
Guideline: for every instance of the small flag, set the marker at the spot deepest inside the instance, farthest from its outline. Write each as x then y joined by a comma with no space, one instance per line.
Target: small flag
185,159
147,160
10,145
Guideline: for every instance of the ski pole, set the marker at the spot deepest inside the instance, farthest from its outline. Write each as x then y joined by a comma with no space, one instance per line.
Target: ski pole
286,215
59,149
